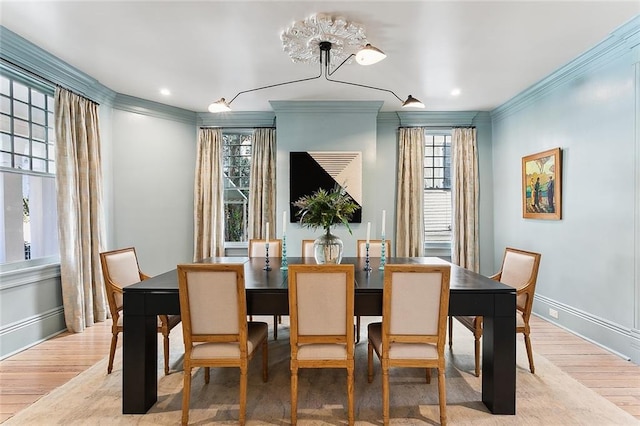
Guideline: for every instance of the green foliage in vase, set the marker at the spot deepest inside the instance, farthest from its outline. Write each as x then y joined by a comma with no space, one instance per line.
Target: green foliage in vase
325,208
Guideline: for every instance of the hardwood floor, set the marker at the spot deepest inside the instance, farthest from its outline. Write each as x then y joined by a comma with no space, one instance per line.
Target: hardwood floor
27,376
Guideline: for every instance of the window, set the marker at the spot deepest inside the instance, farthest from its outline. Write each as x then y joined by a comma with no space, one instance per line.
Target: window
27,170
437,190
236,169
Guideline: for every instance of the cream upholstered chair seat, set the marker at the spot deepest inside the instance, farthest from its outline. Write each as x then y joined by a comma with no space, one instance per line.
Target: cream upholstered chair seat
415,304
120,269
519,270
215,328
321,303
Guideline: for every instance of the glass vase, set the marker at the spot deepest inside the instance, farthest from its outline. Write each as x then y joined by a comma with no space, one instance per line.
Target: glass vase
327,248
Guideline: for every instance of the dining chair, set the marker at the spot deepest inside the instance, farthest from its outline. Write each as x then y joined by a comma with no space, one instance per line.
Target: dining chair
258,248
321,304
519,270
215,328
375,250
415,303
120,268
307,248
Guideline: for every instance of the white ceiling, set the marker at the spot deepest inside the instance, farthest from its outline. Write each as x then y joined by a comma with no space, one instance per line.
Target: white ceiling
205,50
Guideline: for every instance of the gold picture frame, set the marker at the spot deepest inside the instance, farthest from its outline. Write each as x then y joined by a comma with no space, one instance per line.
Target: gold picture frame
542,185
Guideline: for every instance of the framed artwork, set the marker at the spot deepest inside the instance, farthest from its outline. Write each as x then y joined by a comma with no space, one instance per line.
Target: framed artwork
542,184
311,170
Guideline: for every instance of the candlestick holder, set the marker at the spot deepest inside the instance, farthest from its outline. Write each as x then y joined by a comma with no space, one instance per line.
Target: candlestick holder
266,258
367,266
284,264
383,258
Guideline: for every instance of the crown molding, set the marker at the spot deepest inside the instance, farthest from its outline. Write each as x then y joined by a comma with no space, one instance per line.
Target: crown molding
617,44
237,119
34,59
153,109
337,107
436,118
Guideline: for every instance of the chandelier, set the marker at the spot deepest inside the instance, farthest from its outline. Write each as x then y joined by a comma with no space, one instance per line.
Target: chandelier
321,39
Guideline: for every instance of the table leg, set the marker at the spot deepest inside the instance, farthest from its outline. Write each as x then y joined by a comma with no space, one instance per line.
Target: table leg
499,357
140,357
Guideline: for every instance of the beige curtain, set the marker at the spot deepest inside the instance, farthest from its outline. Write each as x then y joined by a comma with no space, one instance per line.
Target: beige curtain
79,199
409,207
208,202
262,187
465,199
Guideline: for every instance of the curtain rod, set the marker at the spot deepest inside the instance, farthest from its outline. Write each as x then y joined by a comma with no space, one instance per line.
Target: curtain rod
237,127
45,80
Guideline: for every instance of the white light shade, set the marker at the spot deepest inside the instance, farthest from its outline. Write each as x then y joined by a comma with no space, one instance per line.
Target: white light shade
412,102
219,106
369,55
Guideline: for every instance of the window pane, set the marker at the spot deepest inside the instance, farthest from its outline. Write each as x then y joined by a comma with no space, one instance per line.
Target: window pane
428,151
5,105
428,161
5,159
52,152
22,162
20,127
5,123
5,85
52,167
21,146
5,142
38,116
39,132
51,134
20,110
20,92
37,99
39,165
39,149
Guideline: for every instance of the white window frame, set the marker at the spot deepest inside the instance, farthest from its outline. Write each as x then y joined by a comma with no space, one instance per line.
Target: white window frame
34,114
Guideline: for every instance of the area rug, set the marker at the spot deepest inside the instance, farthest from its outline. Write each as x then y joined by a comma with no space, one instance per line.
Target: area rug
550,397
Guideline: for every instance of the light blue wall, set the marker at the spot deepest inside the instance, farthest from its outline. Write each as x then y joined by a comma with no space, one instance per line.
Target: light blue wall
590,265
588,272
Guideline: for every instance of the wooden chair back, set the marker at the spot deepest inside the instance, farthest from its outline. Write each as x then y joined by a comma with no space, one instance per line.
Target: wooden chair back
375,248
307,248
520,271
258,248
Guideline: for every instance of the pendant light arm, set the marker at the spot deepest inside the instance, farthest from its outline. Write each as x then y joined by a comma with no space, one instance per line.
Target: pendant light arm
365,86
327,69
277,84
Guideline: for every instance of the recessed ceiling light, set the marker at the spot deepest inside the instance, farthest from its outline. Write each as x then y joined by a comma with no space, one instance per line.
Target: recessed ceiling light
165,92
455,92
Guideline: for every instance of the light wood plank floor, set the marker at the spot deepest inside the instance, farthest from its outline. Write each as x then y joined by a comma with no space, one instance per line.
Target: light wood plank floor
27,376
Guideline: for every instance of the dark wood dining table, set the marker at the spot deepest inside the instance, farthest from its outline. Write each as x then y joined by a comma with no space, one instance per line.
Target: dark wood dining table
267,294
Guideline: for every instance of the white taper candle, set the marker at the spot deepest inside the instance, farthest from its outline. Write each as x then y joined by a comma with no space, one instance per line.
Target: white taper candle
266,234
368,231
384,218
284,222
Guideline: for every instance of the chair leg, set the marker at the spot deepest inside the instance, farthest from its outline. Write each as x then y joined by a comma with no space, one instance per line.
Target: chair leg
294,396
350,382
370,362
450,332
527,342
385,394
442,396
358,329
265,361
477,355
112,351
243,394
428,375
275,327
207,375
166,353
186,393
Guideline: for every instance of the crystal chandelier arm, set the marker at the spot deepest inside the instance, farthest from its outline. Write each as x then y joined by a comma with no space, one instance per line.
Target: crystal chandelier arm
276,85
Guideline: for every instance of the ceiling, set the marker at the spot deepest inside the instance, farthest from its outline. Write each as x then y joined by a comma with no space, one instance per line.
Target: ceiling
205,50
